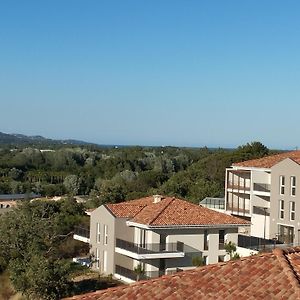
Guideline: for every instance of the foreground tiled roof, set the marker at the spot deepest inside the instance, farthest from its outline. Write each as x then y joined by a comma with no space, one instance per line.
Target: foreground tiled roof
268,276
269,161
171,212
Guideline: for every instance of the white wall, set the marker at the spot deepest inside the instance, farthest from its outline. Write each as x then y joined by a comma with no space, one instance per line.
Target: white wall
257,226
244,252
261,177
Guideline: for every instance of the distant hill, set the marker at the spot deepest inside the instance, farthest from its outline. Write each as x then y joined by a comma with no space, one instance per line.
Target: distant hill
21,139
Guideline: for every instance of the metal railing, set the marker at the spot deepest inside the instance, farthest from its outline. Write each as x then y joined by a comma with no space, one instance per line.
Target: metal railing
218,203
131,274
237,209
82,231
236,186
150,248
258,244
262,187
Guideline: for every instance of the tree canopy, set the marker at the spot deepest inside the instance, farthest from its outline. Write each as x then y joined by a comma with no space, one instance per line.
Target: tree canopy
113,175
32,240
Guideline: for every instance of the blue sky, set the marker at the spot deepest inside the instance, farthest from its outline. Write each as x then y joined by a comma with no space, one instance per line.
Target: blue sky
159,72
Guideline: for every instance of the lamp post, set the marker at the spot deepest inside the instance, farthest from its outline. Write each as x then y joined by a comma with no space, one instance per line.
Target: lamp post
265,209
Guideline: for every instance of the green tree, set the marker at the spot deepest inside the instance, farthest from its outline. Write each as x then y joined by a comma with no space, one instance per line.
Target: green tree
198,261
72,184
40,277
230,249
31,242
15,174
139,271
253,150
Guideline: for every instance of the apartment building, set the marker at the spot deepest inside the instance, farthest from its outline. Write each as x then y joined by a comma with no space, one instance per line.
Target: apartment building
159,235
265,192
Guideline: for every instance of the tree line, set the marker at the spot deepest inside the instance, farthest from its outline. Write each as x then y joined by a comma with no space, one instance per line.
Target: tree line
112,175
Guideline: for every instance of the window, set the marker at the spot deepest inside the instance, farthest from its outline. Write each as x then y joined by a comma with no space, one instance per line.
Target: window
286,234
142,238
281,209
98,233
205,240
293,185
221,239
281,183
104,261
105,235
97,259
292,210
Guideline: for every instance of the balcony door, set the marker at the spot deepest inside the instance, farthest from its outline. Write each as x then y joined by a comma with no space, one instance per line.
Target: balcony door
162,267
142,238
162,242
286,234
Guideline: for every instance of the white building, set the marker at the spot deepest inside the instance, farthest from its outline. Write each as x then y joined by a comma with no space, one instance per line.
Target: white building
161,235
265,192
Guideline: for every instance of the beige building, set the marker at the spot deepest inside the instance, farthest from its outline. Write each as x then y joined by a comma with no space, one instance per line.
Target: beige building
160,235
265,191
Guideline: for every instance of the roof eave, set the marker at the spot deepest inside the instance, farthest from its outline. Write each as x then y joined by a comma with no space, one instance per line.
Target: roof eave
250,168
147,226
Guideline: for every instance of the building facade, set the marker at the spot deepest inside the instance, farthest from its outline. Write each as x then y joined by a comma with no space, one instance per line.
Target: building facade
266,191
154,236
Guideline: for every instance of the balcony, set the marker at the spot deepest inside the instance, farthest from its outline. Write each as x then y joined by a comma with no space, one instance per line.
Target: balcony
262,189
130,274
82,234
150,251
213,203
237,210
235,187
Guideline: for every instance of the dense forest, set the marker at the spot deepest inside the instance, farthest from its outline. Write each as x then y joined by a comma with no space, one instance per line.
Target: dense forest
113,174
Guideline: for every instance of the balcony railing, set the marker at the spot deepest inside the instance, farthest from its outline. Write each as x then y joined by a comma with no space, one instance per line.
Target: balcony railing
262,187
150,248
82,231
235,186
217,203
82,234
144,276
237,209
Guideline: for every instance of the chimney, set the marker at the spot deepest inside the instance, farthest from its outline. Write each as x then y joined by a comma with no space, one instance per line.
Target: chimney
157,198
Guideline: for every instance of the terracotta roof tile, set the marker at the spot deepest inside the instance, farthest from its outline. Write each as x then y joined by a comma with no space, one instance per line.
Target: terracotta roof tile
267,276
125,211
269,161
171,212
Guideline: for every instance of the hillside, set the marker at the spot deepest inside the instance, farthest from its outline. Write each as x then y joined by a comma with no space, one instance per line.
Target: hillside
21,139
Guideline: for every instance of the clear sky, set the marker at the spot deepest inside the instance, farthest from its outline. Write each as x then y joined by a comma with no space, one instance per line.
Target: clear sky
156,72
